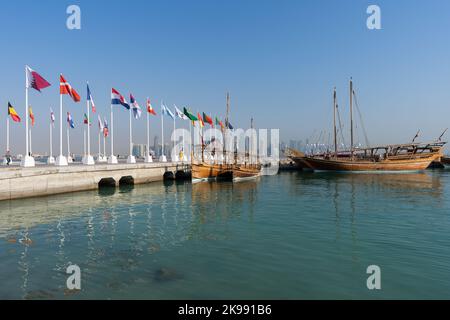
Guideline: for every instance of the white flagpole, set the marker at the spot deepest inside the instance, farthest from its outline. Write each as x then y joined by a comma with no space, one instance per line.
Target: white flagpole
50,159
176,159
190,138
104,145
112,159
162,135
68,143
131,158
51,142
88,129
61,160
99,145
27,161
184,150
88,159
31,149
7,135
84,142
163,157
148,158
112,132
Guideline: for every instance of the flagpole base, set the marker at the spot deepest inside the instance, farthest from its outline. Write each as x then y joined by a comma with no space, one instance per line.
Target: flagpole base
69,159
163,158
101,159
148,159
175,159
184,159
61,161
50,160
112,160
88,160
131,159
27,161
5,162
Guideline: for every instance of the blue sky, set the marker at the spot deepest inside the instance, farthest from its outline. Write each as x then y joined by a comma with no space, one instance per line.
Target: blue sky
279,59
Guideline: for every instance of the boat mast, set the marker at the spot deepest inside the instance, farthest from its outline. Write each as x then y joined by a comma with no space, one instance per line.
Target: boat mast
250,145
334,122
351,118
226,126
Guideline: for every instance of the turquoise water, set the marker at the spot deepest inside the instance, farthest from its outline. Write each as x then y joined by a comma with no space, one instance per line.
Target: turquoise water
290,236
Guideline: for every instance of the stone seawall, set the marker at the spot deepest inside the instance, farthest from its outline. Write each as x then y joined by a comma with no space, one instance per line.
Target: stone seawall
17,182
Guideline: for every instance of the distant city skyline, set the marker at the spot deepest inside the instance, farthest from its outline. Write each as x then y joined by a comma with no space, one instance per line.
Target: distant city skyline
279,60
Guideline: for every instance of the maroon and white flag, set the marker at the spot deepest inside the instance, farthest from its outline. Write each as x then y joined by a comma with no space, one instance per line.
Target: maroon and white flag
35,80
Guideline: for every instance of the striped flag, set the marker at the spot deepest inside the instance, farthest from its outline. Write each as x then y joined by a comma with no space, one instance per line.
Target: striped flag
66,88
118,99
30,111
200,120
86,119
12,113
70,120
89,98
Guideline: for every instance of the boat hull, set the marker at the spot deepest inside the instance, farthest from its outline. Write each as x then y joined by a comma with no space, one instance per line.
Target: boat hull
445,161
208,172
241,173
383,165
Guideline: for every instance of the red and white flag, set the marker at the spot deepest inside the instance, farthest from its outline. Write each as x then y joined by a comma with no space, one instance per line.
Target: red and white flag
66,88
150,108
34,80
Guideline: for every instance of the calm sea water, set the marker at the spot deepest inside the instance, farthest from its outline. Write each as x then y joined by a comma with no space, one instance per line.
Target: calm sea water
290,236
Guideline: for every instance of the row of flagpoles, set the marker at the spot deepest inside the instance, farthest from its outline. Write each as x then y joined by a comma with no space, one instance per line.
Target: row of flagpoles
35,81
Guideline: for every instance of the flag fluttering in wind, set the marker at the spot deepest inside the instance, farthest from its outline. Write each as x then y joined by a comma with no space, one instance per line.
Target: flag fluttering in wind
86,119
137,112
70,120
230,126
35,80
180,114
30,112
189,115
52,117
150,108
89,98
12,113
208,119
100,124
166,111
200,120
219,123
118,99
66,88
105,129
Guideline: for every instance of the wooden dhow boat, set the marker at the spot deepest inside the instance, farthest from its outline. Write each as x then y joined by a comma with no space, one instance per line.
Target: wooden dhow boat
401,157
207,170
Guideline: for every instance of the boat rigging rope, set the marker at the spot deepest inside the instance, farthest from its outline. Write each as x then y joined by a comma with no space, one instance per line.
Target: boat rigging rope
340,124
361,119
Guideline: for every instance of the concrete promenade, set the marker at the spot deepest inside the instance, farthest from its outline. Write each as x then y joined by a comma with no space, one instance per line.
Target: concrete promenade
43,180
